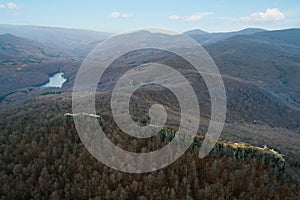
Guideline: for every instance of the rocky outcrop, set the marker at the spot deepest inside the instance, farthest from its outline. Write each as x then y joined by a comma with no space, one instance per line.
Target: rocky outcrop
71,116
240,151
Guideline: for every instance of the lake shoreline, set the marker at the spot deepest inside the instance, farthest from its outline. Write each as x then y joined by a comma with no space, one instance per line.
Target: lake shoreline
56,80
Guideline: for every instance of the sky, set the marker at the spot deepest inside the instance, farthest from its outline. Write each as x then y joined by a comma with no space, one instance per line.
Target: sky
179,15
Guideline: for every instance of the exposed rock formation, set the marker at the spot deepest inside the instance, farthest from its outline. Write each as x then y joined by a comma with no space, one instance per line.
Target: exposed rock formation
241,151
100,119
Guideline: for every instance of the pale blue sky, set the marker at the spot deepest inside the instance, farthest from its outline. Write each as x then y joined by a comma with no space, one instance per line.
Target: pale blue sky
179,15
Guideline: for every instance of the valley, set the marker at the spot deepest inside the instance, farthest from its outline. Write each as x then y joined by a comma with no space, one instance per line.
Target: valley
42,154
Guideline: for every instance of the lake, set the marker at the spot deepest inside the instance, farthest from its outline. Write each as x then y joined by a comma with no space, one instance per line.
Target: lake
57,80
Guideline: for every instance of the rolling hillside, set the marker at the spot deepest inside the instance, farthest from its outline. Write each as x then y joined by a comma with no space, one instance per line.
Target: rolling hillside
79,42
268,60
17,48
26,63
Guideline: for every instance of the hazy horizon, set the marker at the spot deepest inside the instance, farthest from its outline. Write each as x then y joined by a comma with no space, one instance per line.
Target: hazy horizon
120,16
107,31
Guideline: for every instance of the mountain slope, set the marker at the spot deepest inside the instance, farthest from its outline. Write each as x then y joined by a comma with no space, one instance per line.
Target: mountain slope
76,40
260,77
204,38
26,63
287,37
268,60
12,47
247,99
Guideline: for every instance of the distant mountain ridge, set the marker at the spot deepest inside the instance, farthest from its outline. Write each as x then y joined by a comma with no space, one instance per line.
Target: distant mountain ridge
76,40
17,48
262,67
287,36
204,37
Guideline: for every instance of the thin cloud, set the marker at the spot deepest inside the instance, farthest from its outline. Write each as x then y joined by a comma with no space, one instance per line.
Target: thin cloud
271,14
174,17
10,5
197,17
117,14
191,18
